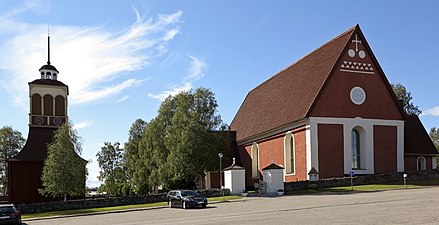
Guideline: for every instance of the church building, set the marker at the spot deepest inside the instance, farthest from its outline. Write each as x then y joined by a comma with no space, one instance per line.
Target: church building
333,110
48,110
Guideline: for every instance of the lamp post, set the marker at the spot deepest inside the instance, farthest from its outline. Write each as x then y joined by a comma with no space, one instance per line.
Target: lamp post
405,178
220,155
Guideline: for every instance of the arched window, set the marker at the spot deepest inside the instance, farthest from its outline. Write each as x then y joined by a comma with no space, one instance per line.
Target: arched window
36,104
421,163
356,149
255,160
48,105
289,153
48,75
60,109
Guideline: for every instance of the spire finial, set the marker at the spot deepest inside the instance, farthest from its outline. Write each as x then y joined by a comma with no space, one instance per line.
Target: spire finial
48,45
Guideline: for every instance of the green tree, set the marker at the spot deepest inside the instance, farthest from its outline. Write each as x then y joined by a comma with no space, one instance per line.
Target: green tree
11,141
183,141
132,157
434,135
111,163
64,171
403,95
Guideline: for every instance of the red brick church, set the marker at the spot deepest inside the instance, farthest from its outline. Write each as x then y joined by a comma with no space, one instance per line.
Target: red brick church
333,110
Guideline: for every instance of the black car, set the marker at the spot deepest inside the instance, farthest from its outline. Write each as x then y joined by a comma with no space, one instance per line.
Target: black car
9,214
185,199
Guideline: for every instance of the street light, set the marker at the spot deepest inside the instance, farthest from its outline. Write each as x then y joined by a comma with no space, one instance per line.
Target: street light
220,155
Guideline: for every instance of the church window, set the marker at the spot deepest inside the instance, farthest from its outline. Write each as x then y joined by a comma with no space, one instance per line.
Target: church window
48,105
289,153
421,163
60,109
36,104
356,151
255,160
48,75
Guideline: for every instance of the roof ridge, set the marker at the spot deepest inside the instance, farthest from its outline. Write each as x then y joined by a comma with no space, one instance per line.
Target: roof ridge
306,56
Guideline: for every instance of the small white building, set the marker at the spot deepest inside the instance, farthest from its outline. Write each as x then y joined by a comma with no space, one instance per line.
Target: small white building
234,178
273,178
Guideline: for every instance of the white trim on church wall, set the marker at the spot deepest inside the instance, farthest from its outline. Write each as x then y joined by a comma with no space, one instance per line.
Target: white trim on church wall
434,162
312,154
367,151
308,148
400,149
45,90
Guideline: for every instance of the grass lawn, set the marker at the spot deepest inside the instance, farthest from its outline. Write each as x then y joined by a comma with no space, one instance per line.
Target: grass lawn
370,187
114,208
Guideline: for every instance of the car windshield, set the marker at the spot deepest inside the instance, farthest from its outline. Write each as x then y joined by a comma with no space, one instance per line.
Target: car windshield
189,193
7,209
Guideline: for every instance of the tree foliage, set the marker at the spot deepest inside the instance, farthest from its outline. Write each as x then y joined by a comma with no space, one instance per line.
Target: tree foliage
403,95
182,142
132,159
111,163
11,142
64,171
434,135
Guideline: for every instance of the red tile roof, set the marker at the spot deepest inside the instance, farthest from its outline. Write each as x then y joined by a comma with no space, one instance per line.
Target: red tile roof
288,96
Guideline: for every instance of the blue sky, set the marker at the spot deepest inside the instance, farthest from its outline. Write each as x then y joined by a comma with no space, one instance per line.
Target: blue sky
121,58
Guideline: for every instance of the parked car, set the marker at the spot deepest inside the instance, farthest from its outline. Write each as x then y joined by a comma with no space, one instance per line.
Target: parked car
9,214
185,199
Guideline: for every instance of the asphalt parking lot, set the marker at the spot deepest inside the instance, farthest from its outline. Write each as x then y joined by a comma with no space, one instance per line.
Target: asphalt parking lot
409,206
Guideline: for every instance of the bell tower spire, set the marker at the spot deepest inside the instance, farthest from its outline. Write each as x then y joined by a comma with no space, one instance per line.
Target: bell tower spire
48,49
48,72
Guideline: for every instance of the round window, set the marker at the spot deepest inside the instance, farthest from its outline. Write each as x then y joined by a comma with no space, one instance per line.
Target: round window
358,96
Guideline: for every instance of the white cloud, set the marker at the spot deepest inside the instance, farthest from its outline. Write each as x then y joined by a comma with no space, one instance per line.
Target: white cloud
195,72
92,61
82,124
122,99
196,69
92,179
432,111
174,91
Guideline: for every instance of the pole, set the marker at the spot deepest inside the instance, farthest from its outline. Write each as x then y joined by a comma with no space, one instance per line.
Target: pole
220,155
405,180
352,180
221,177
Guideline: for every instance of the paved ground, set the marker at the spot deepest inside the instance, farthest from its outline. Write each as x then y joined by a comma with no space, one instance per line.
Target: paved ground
411,206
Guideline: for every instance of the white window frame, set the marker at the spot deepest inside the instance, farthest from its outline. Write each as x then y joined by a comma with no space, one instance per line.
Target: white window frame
288,139
423,163
255,163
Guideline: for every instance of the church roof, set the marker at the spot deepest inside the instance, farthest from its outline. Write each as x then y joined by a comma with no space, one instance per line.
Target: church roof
289,95
273,166
48,67
234,167
416,139
48,82
35,148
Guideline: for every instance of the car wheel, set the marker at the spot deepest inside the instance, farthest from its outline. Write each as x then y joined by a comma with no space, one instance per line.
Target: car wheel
204,205
170,204
184,205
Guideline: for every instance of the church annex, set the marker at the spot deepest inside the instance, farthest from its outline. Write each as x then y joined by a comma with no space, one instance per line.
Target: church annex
333,110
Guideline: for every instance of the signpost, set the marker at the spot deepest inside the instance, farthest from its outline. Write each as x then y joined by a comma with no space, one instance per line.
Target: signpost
351,174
